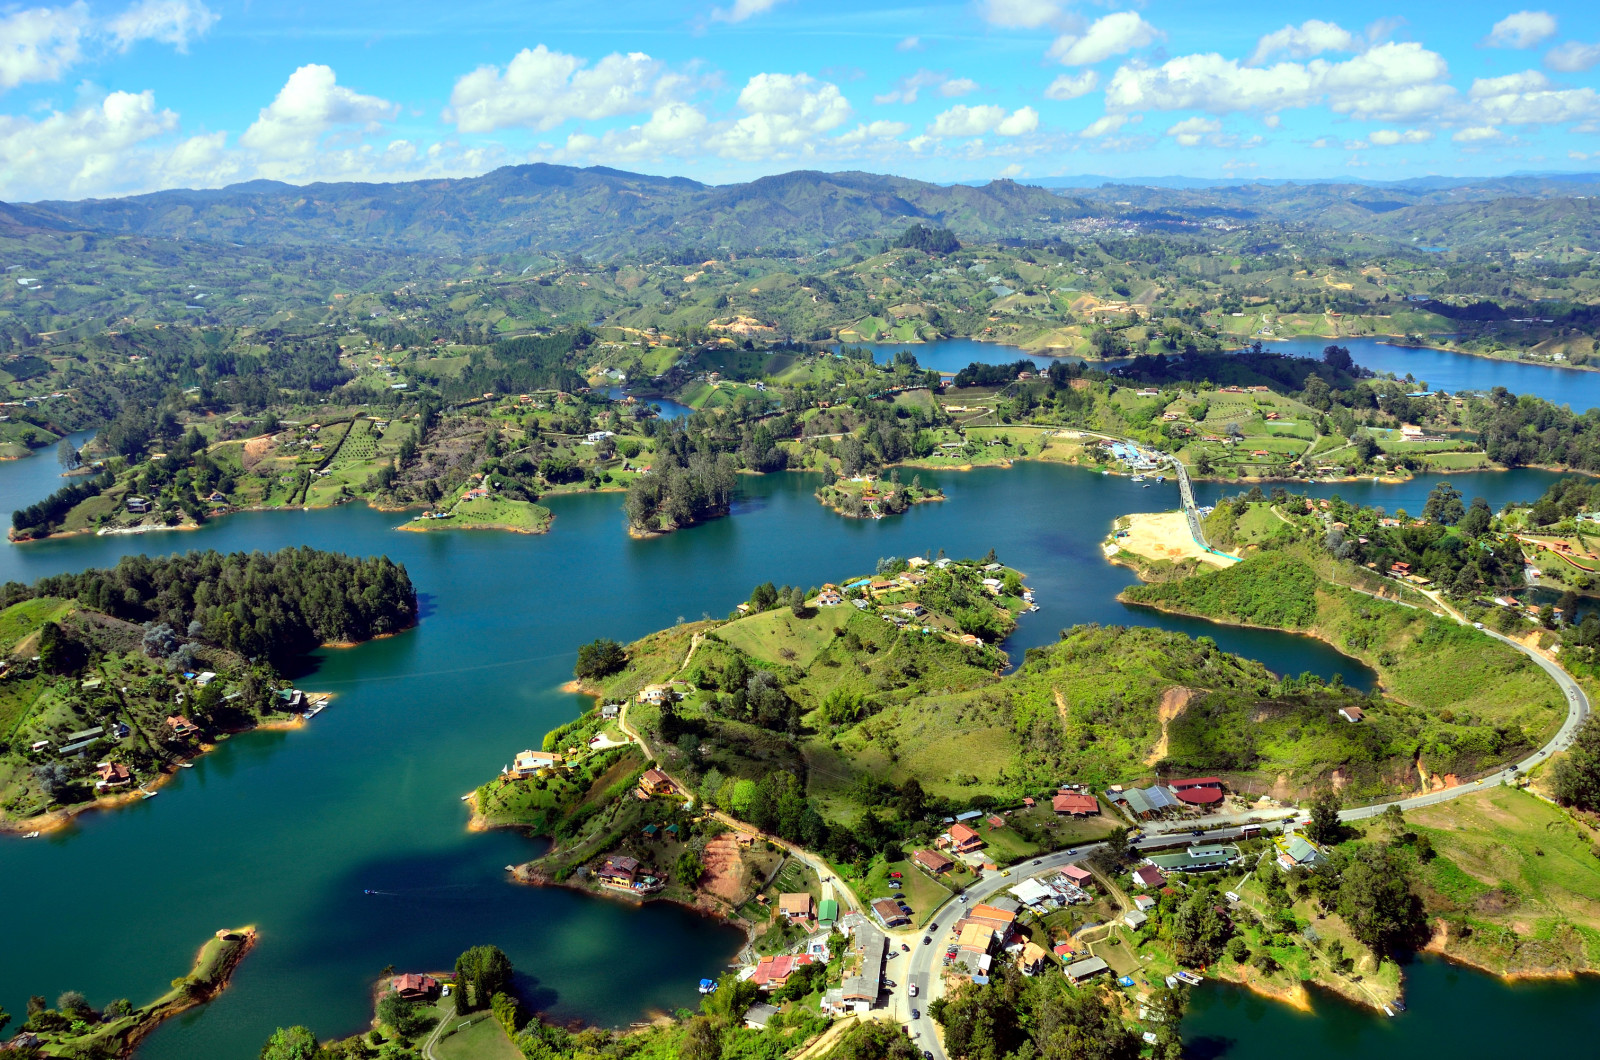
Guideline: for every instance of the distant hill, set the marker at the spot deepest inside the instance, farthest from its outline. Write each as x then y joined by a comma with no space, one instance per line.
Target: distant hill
560,208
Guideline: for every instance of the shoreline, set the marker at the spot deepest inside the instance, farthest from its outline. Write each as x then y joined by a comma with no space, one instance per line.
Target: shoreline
55,820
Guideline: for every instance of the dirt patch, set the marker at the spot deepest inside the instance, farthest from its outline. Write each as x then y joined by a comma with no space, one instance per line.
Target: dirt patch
1173,702
1165,536
256,449
726,875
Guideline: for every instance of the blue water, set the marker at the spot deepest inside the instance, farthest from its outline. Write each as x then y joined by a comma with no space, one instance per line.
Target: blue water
1440,369
668,409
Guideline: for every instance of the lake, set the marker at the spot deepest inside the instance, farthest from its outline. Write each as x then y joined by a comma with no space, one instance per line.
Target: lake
1440,369
289,830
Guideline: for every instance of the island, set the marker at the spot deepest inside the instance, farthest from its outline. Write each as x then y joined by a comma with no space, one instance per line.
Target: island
74,1029
112,679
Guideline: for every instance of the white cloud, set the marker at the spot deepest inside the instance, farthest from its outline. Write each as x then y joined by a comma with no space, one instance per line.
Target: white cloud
1071,86
876,130
1474,134
174,22
1103,126
1191,132
311,104
785,114
1522,29
78,152
1113,34
1393,137
674,128
1390,82
39,44
1020,14
1013,170
743,9
1572,57
962,120
1528,98
907,88
910,44
540,89
1310,38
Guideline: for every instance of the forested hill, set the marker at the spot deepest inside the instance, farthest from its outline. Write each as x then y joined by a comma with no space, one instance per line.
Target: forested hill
596,210
273,605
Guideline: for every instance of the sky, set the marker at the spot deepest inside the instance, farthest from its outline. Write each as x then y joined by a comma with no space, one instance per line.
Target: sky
110,98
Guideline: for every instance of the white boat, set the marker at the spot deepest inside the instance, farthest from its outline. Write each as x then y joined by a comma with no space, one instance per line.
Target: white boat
31,835
1138,478
185,765
314,711
149,794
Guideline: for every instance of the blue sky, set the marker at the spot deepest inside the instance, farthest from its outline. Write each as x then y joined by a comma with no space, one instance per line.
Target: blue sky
107,98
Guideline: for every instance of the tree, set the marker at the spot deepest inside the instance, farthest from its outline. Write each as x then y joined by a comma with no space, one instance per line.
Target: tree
701,1041
67,454
290,1043
689,868
74,1004
1575,777
400,1014
1478,518
600,658
1324,827
1198,929
5,1018
797,601
1238,952
1377,902
1117,843
487,970
1444,505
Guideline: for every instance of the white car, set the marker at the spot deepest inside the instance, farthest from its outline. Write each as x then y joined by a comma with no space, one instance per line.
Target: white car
913,989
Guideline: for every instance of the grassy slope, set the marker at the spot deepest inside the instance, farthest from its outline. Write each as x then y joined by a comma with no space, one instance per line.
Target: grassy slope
1520,875
1464,700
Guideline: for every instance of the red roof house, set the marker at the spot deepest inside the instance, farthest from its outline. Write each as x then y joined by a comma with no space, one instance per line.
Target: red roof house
1198,791
773,972
414,987
964,839
1077,805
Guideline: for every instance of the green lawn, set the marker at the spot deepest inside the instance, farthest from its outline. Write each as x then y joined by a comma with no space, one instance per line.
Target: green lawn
478,1036
495,513
20,620
922,892
778,637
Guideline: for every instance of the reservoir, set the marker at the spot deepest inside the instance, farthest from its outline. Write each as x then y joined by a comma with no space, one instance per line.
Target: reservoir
288,830
1440,369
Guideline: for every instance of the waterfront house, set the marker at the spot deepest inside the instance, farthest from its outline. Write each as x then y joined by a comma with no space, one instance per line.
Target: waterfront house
757,1016
137,505
795,908
414,987
181,726
655,782
829,598
1084,970
1075,805
112,775
969,640
619,871
773,972
964,839
933,862
527,763
1148,877
1351,714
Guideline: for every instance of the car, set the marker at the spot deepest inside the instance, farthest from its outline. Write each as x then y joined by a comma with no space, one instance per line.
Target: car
1197,831
933,926
896,876
1477,625
1005,872
913,989
927,940
927,1055
961,898
916,1014
904,948
1072,850
890,983
1036,861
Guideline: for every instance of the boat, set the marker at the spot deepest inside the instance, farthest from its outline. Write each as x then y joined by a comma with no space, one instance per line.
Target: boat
149,794
185,765
31,835
708,986
468,795
314,711
1138,478
1147,485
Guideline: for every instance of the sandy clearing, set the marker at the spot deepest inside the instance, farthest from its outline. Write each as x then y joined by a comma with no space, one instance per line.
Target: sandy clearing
1165,535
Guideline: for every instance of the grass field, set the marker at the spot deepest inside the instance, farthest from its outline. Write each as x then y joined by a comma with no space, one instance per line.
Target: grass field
479,1036
922,892
20,620
778,637
1520,874
496,513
